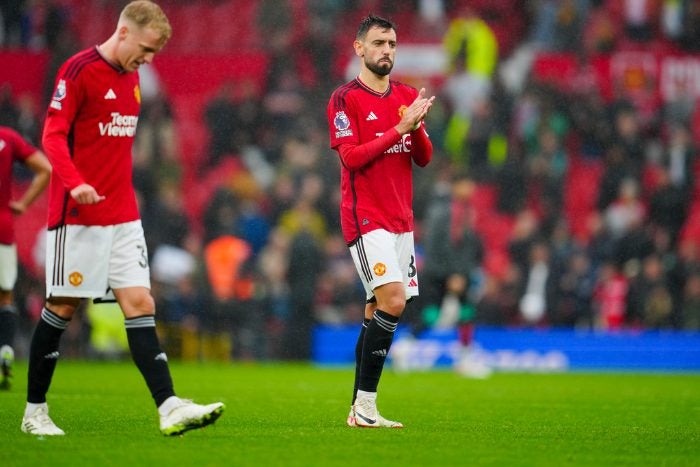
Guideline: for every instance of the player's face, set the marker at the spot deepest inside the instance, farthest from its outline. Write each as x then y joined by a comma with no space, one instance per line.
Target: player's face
378,50
139,46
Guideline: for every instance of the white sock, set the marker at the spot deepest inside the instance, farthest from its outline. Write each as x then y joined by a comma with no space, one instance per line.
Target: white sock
31,408
366,395
168,405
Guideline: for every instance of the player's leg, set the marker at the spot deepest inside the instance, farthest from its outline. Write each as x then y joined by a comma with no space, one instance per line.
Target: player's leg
8,312
176,415
379,257
8,324
376,346
369,311
43,357
130,283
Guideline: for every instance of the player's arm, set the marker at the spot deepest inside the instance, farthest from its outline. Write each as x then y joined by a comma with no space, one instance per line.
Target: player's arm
59,120
39,164
55,143
356,156
421,146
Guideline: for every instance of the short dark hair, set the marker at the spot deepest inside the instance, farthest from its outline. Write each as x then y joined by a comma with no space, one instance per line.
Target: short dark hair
371,21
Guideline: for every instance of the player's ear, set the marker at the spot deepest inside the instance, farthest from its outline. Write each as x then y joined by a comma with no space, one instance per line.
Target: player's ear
123,32
359,49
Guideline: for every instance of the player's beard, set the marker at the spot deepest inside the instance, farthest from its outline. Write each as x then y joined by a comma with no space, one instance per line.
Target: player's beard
381,68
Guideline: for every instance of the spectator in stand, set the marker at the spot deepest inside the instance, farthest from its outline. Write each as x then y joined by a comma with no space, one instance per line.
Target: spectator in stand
472,53
617,169
156,149
574,291
681,158
558,24
668,204
627,211
691,303
537,297
14,148
220,117
9,114
305,264
610,298
453,256
13,33
649,299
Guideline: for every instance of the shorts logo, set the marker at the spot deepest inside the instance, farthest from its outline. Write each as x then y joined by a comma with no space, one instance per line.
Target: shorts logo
379,269
75,279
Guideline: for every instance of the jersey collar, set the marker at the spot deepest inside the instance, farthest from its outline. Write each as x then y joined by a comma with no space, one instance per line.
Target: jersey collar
372,91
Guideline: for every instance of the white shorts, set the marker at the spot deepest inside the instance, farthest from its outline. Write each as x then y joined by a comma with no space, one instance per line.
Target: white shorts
91,261
8,267
382,257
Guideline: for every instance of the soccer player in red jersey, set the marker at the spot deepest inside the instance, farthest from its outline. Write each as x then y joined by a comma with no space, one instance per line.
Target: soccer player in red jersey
376,125
95,243
14,148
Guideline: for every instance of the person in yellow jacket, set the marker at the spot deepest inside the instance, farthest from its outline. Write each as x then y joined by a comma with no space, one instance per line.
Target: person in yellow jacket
471,49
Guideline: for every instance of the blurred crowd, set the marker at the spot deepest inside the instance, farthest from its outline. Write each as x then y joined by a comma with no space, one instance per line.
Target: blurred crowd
264,262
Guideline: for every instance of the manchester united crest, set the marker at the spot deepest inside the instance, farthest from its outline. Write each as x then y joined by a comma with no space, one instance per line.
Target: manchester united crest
75,278
379,269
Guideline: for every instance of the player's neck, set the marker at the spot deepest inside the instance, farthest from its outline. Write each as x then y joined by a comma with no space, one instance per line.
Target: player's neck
108,51
374,81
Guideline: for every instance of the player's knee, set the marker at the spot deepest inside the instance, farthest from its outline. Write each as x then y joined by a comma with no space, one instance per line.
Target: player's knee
394,305
140,305
62,307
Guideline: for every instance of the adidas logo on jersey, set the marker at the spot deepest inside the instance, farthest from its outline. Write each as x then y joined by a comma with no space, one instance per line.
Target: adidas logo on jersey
371,116
110,95
413,283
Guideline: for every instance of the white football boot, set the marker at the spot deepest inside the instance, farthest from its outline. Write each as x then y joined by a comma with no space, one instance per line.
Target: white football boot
185,415
39,423
367,415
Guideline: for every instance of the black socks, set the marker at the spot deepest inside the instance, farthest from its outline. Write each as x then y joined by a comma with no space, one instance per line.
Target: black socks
149,358
358,356
8,325
375,348
43,355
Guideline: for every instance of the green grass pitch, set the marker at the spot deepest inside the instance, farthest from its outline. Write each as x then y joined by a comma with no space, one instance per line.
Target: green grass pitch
294,415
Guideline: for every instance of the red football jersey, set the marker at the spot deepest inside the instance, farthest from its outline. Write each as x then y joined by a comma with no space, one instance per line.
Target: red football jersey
12,148
377,192
88,136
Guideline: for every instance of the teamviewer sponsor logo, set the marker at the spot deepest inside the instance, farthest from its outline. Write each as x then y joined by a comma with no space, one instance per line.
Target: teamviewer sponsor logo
403,146
119,126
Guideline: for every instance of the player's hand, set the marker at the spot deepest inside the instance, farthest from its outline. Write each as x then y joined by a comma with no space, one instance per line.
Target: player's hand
415,113
17,208
86,194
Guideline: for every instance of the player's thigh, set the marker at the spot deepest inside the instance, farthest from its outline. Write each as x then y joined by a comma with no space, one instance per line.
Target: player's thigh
8,267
